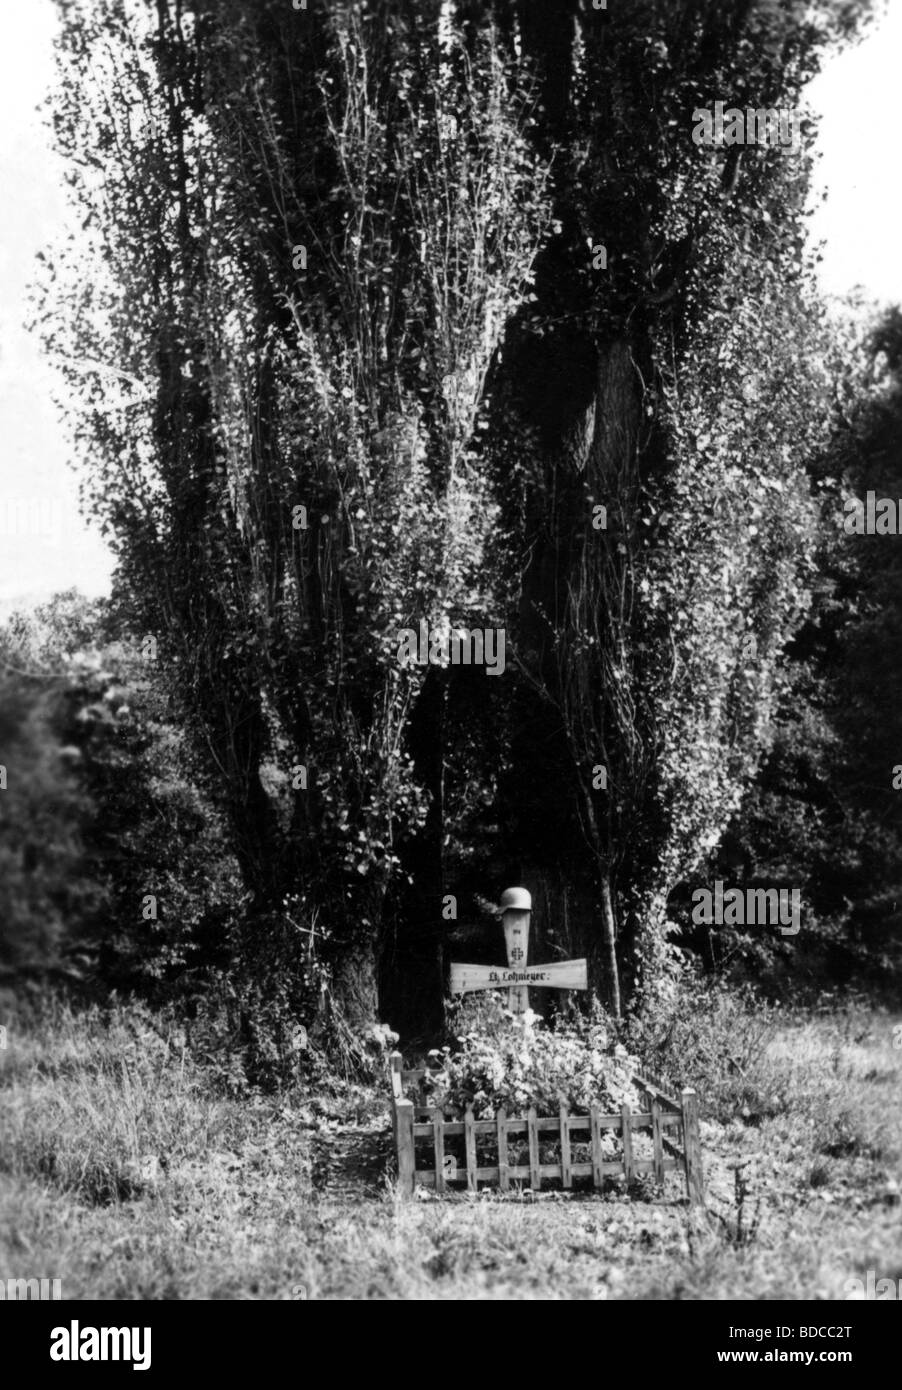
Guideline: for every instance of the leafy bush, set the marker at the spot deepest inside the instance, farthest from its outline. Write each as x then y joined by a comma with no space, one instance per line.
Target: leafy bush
515,1061
44,805
709,1036
105,805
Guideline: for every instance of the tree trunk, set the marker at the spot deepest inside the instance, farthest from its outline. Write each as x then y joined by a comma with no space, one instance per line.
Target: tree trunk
609,944
608,918
355,992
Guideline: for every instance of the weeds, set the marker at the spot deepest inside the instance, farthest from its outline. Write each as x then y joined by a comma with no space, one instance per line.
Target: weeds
127,1173
742,1226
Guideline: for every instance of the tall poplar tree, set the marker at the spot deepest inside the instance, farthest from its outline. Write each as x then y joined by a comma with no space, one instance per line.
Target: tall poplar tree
349,357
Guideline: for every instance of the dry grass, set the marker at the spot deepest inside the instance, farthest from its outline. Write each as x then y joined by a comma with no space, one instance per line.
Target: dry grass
125,1176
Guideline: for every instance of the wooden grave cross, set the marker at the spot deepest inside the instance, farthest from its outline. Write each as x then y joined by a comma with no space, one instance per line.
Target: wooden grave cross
516,906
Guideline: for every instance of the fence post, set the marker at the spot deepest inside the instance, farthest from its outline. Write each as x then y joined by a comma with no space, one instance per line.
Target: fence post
396,1063
692,1149
470,1148
404,1147
566,1173
438,1139
532,1131
595,1129
657,1144
626,1130
504,1181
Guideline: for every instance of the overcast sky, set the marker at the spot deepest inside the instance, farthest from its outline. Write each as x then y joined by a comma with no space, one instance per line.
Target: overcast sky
44,546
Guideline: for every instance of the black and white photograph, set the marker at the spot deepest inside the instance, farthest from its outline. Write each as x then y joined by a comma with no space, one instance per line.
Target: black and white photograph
451,667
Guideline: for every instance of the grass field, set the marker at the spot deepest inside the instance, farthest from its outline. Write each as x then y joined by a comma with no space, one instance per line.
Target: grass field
124,1175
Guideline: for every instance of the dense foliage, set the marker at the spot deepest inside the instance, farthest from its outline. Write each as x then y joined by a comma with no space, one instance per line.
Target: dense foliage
825,812
357,362
514,1061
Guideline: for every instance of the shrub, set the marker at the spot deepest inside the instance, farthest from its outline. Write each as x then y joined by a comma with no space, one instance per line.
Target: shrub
516,1061
709,1036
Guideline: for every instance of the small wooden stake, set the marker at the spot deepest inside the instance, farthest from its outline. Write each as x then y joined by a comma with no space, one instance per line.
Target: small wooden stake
535,1177
692,1149
504,1180
566,1174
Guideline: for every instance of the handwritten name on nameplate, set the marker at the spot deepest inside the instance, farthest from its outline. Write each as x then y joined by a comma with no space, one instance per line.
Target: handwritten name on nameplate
565,974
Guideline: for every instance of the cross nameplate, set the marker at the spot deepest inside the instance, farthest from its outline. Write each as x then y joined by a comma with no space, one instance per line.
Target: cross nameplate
566,974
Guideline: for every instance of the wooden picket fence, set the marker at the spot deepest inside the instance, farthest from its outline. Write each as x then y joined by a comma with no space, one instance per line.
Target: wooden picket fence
673,1125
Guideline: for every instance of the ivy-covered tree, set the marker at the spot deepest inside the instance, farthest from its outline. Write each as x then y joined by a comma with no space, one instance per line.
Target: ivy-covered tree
825,811
664,400
309,231
405,312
